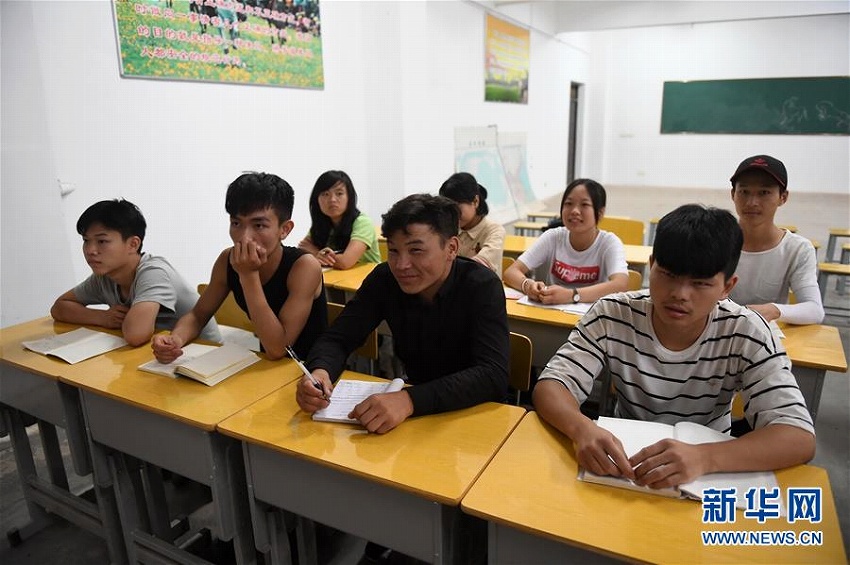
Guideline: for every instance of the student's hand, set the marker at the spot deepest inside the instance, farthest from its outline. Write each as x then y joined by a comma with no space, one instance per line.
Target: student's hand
382,412
768,311
533,290
247,257
308,397
326,257
556,294
668,463
114,316
166,347
600,452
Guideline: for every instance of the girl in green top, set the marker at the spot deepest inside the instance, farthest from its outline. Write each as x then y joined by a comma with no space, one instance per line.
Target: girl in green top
341,236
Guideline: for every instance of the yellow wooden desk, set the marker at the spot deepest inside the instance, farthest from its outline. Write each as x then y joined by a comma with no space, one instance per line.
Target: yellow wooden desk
170,423
29,386
637,256
813,350
516,245
538,512
401,489
832,242
352,278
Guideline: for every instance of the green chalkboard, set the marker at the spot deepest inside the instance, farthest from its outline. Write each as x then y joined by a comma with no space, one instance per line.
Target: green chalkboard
796,106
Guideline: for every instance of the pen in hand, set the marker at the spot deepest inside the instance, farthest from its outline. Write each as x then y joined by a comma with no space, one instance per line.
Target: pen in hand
307,373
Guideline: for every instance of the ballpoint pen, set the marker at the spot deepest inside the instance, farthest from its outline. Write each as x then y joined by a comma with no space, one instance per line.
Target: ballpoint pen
304,370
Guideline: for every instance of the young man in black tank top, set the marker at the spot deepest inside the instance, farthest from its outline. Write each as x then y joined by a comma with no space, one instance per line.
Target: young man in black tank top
280,288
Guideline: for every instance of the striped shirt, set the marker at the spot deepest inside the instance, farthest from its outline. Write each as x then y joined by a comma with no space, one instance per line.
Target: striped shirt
736,352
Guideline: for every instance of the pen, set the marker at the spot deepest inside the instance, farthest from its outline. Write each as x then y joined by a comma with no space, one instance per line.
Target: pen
304,370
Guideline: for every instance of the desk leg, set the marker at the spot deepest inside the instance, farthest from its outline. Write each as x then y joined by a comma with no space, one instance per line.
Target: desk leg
231,496
53,455
25,463
44,498
810,382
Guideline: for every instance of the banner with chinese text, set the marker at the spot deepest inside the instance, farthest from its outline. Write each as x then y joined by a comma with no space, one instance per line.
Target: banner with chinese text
506,55
267,42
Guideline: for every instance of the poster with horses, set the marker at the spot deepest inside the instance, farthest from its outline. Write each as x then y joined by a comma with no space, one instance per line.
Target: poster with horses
264,42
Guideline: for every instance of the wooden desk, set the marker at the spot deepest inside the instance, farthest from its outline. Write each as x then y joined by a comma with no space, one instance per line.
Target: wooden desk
813,350
336,290
30,388
516,245
401,489
832,242
547,216
170,423
538,512
350,280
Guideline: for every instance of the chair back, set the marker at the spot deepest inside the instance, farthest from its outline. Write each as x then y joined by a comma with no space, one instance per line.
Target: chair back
635,280
229,313
506,262
519,373
628,230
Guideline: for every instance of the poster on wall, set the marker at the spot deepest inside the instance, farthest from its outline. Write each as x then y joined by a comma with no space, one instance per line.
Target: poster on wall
506,53
498,162
264,42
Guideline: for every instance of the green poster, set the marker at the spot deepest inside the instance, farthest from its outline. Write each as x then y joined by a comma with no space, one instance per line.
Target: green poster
267,42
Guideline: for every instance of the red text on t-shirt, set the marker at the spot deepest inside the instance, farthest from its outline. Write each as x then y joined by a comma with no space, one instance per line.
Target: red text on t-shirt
575,275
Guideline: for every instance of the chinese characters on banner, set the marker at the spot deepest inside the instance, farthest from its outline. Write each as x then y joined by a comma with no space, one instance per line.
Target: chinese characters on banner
506,53
268,42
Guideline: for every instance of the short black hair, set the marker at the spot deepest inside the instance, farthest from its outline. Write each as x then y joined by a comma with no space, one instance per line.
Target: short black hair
698,241
119,215
438,212
596,192
252,191
320,230
463,188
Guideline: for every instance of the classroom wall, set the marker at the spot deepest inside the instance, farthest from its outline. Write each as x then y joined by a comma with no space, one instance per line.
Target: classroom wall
399,77
623,145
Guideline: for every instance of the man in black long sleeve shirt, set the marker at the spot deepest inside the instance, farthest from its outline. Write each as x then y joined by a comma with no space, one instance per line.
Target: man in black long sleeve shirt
446,313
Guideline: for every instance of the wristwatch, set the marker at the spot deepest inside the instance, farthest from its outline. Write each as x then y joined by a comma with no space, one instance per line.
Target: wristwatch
576,296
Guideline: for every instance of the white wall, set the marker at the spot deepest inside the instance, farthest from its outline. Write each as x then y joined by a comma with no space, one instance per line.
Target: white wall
623,145
399,77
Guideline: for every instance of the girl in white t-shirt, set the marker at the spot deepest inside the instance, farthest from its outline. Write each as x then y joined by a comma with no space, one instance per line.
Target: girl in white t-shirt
582,263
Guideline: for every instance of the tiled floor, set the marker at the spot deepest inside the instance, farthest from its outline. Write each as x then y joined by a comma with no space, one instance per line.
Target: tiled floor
64,544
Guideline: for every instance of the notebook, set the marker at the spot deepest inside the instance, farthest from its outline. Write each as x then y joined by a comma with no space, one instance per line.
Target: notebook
348,393
207,364
637,434
77,345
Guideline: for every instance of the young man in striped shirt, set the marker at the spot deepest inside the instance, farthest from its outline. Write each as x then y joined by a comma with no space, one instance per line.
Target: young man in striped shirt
680,352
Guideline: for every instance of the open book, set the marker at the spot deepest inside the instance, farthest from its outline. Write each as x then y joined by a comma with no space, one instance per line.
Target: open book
77,345
637,434
349,393
207,364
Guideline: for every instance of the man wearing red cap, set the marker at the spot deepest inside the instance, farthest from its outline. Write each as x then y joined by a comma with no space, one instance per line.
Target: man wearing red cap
773,260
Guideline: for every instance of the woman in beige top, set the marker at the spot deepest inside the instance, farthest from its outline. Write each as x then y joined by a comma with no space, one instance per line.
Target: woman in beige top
481,239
